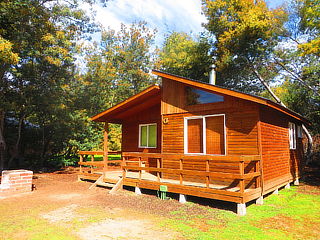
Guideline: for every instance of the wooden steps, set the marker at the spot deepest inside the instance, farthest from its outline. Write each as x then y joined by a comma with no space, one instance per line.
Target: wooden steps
110,183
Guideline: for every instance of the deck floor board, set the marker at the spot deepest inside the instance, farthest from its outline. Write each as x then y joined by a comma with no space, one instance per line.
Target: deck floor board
116,174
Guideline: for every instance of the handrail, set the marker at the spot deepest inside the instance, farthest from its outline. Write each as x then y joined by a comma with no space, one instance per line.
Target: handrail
98,163
90,166
224,158
237,160
135,161
97,152
195,173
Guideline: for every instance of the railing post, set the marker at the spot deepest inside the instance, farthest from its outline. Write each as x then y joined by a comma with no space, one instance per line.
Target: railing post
140,171
241,169
92,160
124,171
181,168
81,161
158,166
207,170
105,148
257,169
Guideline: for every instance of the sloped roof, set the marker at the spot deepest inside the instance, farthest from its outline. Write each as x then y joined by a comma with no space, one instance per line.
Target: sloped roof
233,93
138,102
152,96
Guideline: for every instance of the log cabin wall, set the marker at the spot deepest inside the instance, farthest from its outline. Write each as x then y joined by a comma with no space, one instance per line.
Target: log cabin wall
280,163
130,130
241,119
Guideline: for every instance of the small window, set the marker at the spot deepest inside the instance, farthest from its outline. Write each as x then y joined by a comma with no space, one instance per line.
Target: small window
148,135
292,135
197,96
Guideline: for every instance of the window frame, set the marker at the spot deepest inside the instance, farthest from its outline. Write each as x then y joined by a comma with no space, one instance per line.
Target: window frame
204,134
147,125
188,89
292,128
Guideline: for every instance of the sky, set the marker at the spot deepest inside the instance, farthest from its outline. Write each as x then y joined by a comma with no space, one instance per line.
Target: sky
164,15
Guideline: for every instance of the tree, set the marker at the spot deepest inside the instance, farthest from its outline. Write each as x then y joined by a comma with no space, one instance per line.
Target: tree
117,68
37,40
247,31
244,35
310,22
184,56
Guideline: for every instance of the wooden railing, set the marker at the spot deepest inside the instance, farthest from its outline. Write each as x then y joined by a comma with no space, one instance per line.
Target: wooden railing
89,165
243,169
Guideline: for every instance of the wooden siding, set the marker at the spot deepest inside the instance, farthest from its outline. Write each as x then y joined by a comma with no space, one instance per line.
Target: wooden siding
280,164
173,97
130,130
241,128
241,133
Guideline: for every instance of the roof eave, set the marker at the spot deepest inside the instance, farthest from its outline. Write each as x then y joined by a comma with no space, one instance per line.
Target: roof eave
101,117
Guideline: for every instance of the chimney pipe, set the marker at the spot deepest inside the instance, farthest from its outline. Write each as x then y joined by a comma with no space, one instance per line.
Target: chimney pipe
212,75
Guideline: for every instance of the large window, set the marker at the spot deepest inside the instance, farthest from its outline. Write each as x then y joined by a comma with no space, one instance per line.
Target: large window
292,135
205,135
148,135
197,96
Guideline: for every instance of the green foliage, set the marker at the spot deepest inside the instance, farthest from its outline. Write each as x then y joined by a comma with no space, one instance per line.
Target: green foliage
243,29
41,39
310,22
244,34
119,66
181,55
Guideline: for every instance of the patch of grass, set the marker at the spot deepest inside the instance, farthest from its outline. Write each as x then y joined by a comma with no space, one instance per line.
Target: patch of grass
91,215
288,216
19,223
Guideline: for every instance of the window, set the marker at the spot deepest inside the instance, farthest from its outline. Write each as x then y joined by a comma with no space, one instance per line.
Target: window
148,135
292,135
205,135
197,96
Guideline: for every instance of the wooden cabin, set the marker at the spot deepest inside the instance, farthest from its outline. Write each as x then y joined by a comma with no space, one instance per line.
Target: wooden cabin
194,138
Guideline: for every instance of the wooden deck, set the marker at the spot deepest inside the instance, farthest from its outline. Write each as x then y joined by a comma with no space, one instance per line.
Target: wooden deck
235,185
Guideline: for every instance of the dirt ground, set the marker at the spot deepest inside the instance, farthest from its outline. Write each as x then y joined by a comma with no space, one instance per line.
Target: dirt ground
128,216
60,201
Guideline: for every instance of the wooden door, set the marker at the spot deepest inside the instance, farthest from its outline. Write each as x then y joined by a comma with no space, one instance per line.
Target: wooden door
195,135
215,142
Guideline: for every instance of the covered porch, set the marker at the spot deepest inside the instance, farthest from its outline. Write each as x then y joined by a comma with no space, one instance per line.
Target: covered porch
229,178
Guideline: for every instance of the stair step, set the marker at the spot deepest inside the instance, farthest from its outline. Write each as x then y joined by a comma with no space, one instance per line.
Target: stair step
105,184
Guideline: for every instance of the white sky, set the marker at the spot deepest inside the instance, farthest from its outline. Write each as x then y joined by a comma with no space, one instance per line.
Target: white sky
164,15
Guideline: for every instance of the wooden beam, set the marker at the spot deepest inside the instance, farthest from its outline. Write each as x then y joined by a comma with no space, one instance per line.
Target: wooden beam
105,147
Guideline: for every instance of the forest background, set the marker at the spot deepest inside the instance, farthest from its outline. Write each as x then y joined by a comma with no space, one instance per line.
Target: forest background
54,77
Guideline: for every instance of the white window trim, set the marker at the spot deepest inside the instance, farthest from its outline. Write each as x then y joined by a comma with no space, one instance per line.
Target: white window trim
204,142
292,136
141,125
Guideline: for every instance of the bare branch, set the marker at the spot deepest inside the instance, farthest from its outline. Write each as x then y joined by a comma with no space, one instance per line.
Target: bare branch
297,77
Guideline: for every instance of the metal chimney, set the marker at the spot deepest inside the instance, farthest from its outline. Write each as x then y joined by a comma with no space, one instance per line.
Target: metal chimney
212,75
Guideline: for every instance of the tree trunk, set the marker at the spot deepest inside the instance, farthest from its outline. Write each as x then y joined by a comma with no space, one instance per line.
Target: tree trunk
309,137
16,149
3,146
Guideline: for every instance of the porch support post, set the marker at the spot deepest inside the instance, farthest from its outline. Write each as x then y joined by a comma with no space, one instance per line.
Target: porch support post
276,191
241,209
296,182
287,186
137,190
182,198
105,147
259,201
